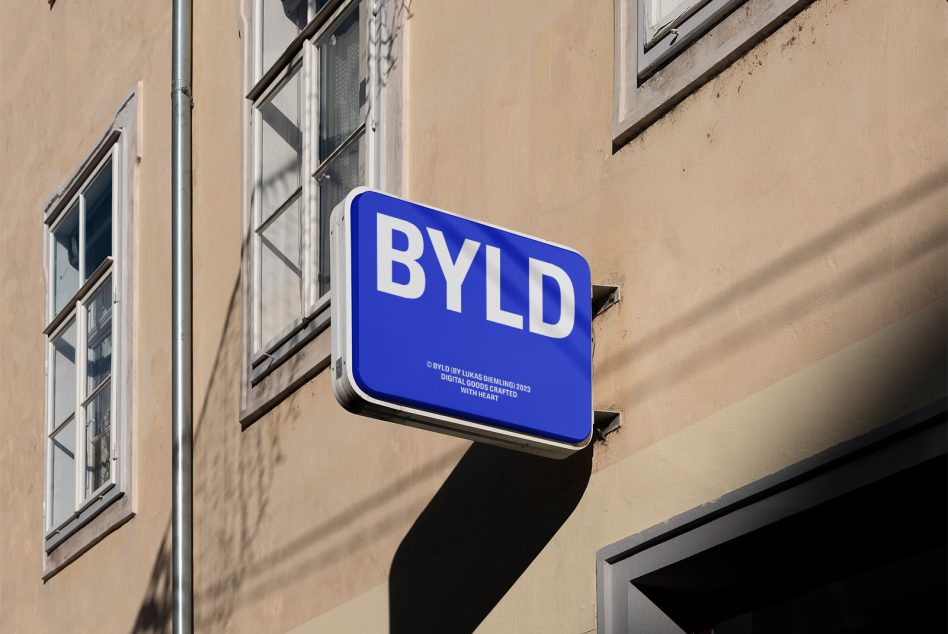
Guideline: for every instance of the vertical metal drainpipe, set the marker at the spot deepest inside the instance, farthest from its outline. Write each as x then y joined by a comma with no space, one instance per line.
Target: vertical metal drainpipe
181,520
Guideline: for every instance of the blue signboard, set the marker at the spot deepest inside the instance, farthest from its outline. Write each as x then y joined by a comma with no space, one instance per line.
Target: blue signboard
455,325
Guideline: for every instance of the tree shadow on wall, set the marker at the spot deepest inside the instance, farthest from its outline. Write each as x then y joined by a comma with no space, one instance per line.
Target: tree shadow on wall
490,519
154,613
233,478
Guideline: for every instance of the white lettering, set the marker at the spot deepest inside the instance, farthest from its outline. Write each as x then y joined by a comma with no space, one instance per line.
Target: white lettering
387,255
454,270
564,325
495,313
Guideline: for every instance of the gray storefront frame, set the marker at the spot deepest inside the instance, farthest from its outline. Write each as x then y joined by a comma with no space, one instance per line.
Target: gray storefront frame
844,468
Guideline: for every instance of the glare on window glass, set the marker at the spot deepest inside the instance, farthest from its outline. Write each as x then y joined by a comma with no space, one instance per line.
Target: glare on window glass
66,258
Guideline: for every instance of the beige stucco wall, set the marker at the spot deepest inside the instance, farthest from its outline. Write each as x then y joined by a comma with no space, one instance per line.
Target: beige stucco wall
779,239
64,71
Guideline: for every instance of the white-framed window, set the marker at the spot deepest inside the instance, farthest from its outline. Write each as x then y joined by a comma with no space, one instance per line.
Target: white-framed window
667,49
310,119
316,97
87,329
80,346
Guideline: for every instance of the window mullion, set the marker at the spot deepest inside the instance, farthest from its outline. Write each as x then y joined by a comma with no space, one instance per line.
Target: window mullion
80,415
309,117
114,457
115,341
48,499
82,238
50,368
48,440
50,245
255,213
116,193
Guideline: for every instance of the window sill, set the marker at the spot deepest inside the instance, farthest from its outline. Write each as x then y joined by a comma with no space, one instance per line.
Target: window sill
637,105
264,363
115,511
307,354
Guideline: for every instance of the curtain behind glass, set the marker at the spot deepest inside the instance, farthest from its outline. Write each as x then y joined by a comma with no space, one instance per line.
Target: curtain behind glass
339,98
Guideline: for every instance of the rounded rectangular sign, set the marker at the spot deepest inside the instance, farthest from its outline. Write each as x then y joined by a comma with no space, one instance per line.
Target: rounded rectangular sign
458,326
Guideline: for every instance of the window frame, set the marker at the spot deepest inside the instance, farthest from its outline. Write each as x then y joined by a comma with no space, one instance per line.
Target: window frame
652,33
111,504
301,350
653,75
656,49
301,56
259,223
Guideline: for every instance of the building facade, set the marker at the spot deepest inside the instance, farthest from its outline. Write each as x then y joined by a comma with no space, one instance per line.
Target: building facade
763,181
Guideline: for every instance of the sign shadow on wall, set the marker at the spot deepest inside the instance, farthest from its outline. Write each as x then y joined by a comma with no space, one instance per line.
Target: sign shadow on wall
491,518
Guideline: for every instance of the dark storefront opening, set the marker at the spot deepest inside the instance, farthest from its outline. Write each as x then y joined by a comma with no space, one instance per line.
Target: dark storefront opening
852,540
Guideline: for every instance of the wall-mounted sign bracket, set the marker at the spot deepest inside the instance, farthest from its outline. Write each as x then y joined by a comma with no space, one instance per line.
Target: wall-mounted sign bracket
604,297
604,423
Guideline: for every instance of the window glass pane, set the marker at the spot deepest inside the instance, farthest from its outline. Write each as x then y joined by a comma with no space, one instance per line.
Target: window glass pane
281,146
64,374
98,438
282,22
99,220
66,258
280,274
342,175
63,473
339,100
99,339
